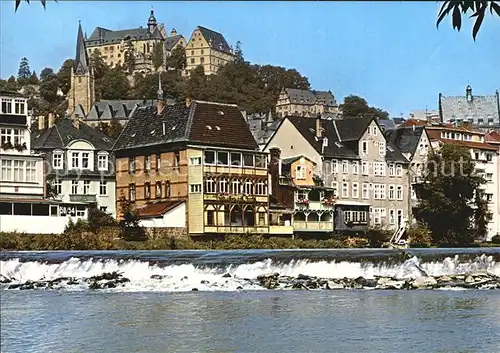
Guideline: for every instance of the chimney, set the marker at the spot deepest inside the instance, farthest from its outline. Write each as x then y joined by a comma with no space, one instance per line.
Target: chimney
41,122
319,132
160,102
188,101
52,120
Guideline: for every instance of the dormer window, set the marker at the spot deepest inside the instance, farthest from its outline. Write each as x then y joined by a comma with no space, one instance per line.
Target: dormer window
300,172
102,161
75,160
85,160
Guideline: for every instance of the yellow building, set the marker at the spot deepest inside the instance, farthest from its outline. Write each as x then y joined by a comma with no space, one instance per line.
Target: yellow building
199,157
113,45
208,49
301,102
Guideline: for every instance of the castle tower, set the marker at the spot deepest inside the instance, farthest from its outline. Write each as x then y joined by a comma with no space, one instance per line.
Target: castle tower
152,22
82,90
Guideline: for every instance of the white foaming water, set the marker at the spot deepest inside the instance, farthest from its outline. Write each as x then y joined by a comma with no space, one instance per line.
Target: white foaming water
187,276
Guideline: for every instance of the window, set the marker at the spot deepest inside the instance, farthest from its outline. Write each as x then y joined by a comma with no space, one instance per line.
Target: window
399,192
355,190
102,162
57,160
177,160
375,131
209,157
335,187
364,147
223,186
392,169
131,190
210,186
382,192
381,148
364,168
195,160
378,168
74,187
195,188
6,170
399,170
235,159
168,189
86,187
301,195
235,187
85,160
248,187
377,219
392,216
300,172
158,162
31,171
248,160
18,137
147,190
345,167
19,106
7,106
5,135
489,157
261,188
345,190
261,161
80,211
210,217
131,165
334,166
489,197
366,191
103,187
147,163
75,160
57,185
377,192
355,167
18,170
158,190
392,192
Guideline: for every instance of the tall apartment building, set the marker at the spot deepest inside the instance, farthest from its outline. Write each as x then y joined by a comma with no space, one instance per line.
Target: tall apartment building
299,102
194,166
208,49
365,173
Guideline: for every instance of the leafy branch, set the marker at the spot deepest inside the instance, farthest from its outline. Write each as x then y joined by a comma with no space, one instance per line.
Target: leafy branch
458,8
18,2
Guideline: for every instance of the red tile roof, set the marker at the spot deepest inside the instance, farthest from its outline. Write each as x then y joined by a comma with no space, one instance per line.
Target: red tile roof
492,137
157,208
436,135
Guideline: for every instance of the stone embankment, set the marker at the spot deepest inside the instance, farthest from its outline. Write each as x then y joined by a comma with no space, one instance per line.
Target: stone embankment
482,280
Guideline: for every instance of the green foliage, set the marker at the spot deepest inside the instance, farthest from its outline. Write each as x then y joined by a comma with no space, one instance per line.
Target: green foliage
129,57
377,237
419,236
97,219
49,86
177,59
64,75
50,190
158,56
18,2
496,239
100,69
33,80
477,9
238,52
116,85
24,73
447,197
9,85
355,106
129,225
146,86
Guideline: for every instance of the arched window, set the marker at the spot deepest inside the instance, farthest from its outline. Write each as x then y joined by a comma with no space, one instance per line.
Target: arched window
248,187
223,186
235,186
210,185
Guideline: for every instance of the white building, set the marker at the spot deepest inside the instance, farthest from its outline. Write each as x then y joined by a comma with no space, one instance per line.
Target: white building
80,165
23,206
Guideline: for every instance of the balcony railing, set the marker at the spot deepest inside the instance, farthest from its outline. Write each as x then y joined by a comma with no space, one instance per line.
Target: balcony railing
313,226
82,198
323,205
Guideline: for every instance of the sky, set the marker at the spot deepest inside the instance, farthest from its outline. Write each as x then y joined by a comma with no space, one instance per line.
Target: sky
390,53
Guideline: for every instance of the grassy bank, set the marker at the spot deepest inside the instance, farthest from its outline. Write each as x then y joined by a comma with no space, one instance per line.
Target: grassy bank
92,241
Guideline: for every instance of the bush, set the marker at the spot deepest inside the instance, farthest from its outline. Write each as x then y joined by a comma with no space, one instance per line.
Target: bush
419,236
496,239
377,237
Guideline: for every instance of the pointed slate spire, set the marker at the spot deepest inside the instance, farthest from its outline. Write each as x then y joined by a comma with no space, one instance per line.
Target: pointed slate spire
81,62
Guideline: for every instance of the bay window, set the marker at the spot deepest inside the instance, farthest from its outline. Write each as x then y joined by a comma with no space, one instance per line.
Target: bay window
235,159
222,158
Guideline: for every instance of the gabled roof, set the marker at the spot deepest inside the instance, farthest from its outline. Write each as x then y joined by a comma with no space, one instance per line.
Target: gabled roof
290,160
435,134
103,35
170,42
63,132
352,129
215,39
492,137
406,139
469,106
203,123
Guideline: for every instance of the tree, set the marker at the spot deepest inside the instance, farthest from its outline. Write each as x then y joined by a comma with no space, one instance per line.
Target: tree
355,106
158,56
9,85
129,224
64,75
477,9
115,128
18,2
98,65
129,57
116,85
177,59
49,85
33,80
97,219
146,86
447,198
238,52
24,73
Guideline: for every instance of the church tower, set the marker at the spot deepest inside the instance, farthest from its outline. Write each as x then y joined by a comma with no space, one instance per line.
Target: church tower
82,90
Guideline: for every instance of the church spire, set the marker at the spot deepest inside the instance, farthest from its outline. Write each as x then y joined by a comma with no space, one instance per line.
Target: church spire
81,62
152,21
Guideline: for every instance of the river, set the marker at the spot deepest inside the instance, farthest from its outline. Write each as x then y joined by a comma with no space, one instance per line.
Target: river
156,309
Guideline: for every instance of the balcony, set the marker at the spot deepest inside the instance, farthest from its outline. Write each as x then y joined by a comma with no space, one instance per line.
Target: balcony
326,226
82,198
324,205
